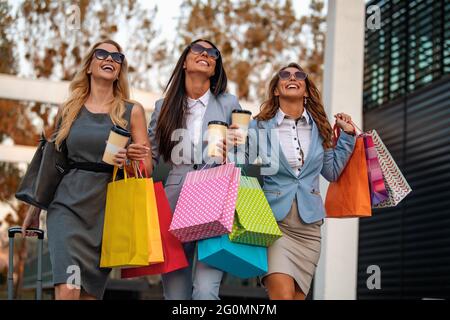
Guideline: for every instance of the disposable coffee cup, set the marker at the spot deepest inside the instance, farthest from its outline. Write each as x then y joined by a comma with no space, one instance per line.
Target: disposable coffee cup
217,132
242,119
118,139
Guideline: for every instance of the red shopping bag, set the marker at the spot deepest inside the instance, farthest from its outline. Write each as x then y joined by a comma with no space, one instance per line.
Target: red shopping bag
349,196
174,256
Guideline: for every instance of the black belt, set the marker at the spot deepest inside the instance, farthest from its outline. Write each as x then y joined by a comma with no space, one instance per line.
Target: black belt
92,166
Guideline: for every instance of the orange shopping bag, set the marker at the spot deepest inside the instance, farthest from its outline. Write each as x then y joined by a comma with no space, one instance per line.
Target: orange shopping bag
349,196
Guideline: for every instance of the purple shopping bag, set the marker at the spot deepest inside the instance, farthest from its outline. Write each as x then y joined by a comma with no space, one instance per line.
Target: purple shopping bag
378,192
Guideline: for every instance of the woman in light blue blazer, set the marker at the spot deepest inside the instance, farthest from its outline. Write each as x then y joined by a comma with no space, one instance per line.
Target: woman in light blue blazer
297,137
195,95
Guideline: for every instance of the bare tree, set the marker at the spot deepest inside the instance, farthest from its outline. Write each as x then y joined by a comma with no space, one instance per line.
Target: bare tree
54,45
12,113
40,40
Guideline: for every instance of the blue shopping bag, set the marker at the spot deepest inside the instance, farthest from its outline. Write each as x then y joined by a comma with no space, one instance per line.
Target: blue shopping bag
241,260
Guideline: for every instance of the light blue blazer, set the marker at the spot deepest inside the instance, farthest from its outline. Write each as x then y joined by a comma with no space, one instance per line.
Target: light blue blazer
281,188
218,108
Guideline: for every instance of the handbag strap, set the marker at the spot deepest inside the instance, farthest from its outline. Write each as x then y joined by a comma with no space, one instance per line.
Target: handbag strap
63,148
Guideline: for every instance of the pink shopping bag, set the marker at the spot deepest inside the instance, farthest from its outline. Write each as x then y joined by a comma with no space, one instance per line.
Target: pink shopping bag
206,205
378,192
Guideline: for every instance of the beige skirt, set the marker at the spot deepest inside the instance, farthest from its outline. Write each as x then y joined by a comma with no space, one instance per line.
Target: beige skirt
297,252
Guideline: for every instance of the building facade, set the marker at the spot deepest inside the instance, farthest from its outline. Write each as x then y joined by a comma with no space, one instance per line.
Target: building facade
407,100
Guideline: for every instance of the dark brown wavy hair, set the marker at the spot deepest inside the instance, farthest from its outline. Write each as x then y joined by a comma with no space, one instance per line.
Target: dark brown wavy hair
313,105
174,106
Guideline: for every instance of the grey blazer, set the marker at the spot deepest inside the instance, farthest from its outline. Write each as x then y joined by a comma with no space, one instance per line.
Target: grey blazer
218,108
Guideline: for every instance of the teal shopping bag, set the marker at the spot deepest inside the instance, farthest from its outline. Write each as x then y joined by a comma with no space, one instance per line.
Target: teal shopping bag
241,260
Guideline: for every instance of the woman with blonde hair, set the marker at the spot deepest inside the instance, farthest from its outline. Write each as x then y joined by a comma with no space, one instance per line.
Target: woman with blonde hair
99,99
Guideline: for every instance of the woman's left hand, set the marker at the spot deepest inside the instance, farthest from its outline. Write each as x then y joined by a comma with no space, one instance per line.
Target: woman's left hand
344,121
222,146
120,158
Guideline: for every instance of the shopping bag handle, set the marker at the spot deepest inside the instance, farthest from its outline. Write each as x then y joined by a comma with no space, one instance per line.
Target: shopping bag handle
242,169
116,169
138,165
337,132
356,128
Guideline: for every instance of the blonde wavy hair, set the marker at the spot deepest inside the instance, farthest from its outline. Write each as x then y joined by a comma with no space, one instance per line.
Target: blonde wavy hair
80,88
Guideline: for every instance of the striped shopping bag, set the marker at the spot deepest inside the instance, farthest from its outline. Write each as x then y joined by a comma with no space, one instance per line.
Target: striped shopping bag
396,185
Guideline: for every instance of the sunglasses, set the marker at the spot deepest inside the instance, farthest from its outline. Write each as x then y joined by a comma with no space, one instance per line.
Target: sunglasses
102,54
199,49
286,75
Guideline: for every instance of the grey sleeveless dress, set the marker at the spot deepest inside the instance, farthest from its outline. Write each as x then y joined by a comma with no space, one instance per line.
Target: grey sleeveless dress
75,216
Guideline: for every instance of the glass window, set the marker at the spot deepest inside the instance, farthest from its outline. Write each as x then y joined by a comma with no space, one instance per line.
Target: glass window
411,49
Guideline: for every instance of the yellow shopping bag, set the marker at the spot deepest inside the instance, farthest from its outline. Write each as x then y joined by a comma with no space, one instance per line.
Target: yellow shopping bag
127,227
155,242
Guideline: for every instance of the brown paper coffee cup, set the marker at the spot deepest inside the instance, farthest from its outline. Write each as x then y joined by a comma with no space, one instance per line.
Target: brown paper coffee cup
217,131
118,139
242,119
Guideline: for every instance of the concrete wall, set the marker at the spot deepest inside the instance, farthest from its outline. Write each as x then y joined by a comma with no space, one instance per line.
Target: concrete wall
343,84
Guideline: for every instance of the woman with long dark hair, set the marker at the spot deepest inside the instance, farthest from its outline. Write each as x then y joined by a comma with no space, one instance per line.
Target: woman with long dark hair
294,111
194,96
99,99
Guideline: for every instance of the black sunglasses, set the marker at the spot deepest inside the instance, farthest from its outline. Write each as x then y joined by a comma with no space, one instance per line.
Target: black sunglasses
298,75
199,49
102,54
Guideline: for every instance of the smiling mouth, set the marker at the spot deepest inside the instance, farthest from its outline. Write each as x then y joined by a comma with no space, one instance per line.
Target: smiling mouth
203,63
108,68
292,86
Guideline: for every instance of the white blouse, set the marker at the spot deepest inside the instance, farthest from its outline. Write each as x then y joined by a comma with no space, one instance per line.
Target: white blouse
295,138
194,116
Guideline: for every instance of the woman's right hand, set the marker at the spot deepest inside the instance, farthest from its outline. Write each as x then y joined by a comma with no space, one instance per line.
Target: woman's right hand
31,220
234,136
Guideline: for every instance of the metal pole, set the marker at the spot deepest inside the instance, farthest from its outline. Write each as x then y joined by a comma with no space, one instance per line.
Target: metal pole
39,275
11,269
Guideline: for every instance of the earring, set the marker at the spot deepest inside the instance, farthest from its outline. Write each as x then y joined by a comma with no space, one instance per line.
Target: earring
305,101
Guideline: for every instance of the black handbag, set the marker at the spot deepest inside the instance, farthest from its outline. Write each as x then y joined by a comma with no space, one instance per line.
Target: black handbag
43,175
